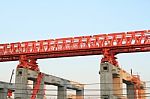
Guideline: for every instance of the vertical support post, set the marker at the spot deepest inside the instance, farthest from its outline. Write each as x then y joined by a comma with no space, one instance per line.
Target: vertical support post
106,80
130,91
21,84
143,90
79,94
40,94
62,92
117,85
3,93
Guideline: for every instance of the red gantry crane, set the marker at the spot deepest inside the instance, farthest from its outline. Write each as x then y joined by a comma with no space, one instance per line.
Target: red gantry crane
107,45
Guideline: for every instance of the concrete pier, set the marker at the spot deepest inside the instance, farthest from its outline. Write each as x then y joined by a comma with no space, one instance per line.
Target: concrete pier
23,75
106,80
130,91
111,82
4,89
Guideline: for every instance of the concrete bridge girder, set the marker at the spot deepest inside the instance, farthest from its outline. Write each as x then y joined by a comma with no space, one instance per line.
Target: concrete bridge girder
23,75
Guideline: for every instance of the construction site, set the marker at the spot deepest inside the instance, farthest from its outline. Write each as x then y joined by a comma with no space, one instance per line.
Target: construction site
74,49
30,82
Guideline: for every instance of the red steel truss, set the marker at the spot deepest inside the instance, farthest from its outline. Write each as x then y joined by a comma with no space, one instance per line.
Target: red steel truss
125,42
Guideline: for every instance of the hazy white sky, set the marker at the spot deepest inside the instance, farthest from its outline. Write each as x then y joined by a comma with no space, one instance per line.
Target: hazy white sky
44,19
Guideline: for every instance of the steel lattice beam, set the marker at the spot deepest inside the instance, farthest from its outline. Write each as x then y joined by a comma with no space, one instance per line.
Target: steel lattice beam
125,42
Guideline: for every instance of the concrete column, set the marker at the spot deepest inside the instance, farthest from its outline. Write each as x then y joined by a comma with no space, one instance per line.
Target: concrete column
106,81
79,94
21,83
62,92
143,90
130,91
117,86
3,93
40,94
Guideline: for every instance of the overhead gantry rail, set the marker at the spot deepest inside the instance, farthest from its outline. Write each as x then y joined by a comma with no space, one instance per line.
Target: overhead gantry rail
125,42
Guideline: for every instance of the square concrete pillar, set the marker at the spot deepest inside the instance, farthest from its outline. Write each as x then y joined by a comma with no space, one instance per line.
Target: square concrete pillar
118,87
21,84
62,92
79,94
3,93
143,90
106,80
130,91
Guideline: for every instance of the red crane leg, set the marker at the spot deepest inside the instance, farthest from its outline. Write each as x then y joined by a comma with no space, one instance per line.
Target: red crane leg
37,86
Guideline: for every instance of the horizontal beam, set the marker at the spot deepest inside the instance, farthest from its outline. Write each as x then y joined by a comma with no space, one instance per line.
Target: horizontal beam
56,81
129,42
5,85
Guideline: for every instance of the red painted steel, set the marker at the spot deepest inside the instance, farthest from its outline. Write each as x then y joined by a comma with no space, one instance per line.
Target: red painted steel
25,62
125,42
37,86
9,93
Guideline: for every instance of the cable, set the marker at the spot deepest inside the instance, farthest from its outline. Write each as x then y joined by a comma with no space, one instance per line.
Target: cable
75,84
85,95
83,89
79,95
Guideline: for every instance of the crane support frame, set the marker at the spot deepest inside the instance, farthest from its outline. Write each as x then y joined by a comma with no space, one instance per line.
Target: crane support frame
125,42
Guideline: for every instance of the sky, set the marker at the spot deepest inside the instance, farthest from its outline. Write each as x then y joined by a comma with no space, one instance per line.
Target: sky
28,20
